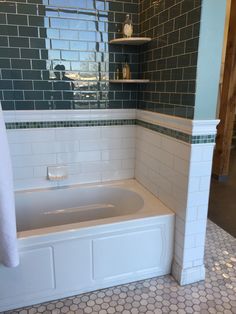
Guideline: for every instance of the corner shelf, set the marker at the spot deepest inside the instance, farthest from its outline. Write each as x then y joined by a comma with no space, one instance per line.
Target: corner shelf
134,41
129,81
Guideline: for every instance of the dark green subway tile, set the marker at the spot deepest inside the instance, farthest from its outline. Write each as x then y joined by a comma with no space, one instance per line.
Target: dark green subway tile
11,74
43,105
36,21
6,84
17,19
5,63
38,64
8,7
31,75
8,105
13,95
33,95
42,85
30,53
8,30
37,43
191,45
18,42
26,8
20,64
9,52
28,31
3,41
23,85
3,18
24,105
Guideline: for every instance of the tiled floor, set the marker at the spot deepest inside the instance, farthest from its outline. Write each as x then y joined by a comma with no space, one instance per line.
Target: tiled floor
163,295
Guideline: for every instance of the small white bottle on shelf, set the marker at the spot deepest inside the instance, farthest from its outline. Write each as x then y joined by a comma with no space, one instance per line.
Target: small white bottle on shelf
127,27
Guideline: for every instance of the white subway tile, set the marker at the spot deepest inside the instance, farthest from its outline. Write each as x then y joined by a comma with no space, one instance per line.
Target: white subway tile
194,184
189,241
40,172
128,163
117,175
118,154
205,183
55,147
168,144
192,254
202,212
182,150
33,183
118,131
200,169
34,160
78,157
197,198
181,166
31,135
166,158
195,227
22,173
81,178
20,149
207,152
80,133
196,153
191,214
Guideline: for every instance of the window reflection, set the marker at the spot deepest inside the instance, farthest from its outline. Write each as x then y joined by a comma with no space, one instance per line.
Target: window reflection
72,40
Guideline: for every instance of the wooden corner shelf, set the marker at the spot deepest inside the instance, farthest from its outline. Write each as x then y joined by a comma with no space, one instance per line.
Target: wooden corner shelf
134,41
130,81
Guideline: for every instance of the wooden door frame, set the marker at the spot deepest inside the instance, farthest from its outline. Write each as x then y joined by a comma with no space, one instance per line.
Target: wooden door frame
227,103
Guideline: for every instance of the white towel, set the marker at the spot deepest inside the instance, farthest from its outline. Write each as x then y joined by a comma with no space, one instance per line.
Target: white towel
8,238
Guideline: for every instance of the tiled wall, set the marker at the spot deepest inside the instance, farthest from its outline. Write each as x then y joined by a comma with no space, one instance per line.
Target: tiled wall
55,54
92,154
170,60
179,174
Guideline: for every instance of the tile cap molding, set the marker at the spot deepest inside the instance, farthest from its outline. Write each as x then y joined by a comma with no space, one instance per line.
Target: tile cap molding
67,115
191,127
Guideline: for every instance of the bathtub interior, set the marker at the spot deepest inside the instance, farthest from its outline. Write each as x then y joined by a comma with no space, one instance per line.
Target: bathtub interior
45,208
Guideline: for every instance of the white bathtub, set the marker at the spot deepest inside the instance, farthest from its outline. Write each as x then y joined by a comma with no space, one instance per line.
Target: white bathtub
83,238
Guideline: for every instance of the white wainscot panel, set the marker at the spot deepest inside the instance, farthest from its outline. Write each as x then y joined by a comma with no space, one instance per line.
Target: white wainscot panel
33,275
76,256
128,253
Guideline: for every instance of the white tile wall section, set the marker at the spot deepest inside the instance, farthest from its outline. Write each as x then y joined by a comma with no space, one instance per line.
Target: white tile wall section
179,174
92,154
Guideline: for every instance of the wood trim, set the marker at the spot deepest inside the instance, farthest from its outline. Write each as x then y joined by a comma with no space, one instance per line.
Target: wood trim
227,102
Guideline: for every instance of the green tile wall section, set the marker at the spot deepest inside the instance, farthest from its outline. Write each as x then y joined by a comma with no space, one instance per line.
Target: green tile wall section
191,139
55,54
170,60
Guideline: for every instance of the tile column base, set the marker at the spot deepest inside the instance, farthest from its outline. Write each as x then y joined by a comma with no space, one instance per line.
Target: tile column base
185,276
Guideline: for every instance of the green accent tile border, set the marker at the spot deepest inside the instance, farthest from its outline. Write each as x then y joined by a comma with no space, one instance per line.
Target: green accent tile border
191,139
68,124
